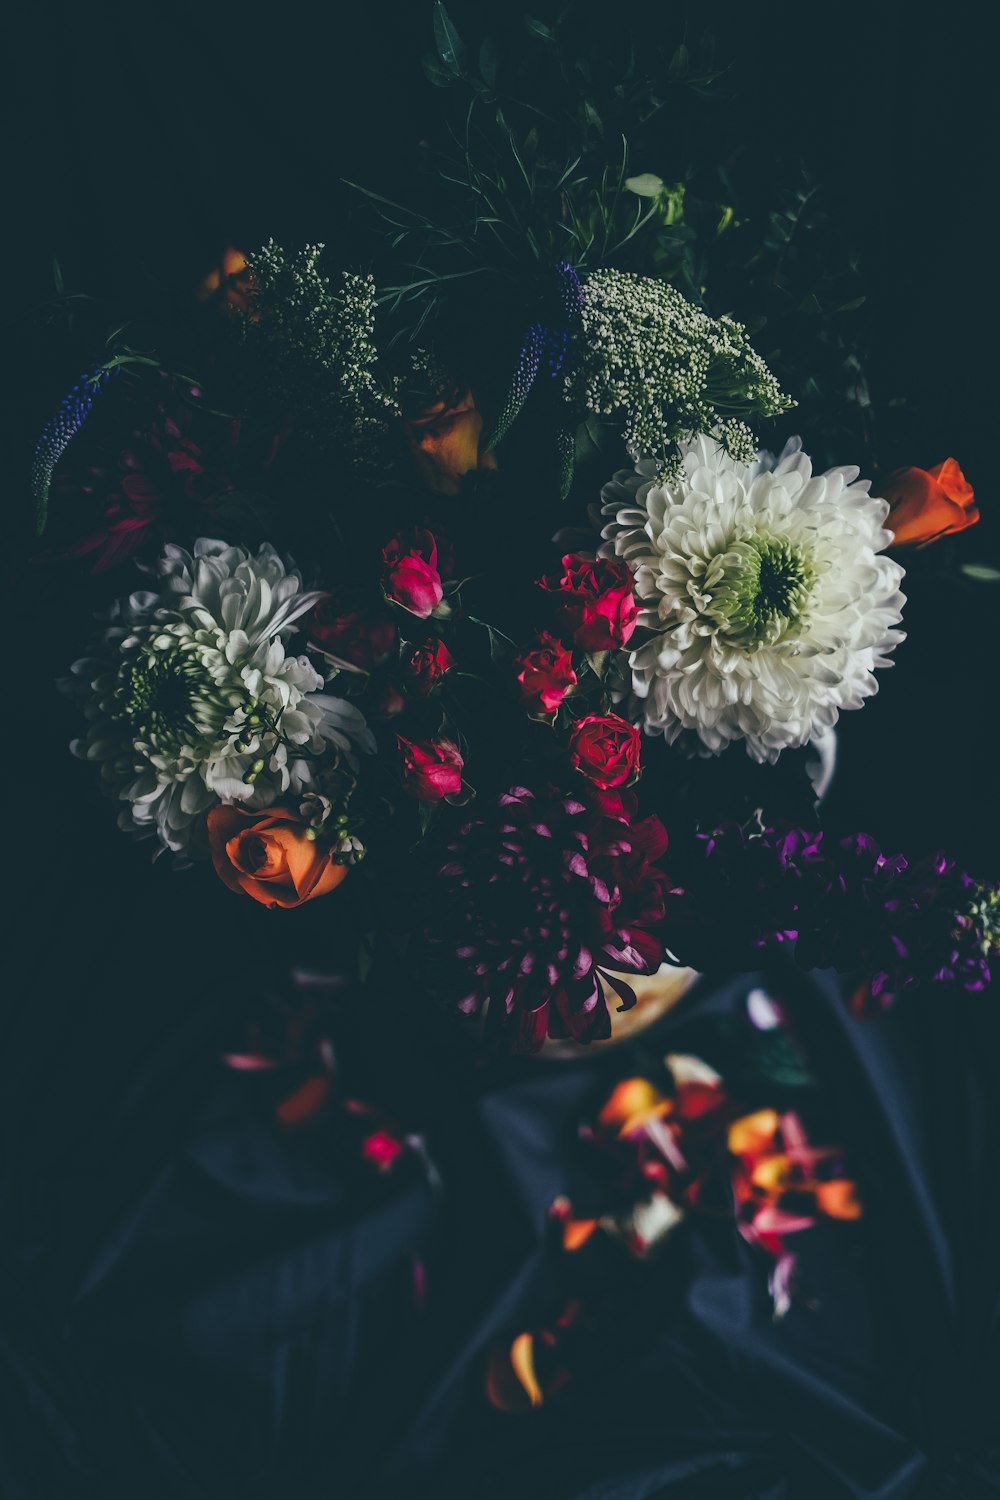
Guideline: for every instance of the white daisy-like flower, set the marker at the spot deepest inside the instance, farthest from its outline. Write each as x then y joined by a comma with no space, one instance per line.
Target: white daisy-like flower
195,702
766,605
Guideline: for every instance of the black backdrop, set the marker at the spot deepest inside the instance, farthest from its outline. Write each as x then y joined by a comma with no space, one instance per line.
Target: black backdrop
139,140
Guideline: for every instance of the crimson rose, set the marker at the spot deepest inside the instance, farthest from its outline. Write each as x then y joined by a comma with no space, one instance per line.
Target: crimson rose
342,627
426,665
410,575
593,600
546,674
431,770
605,749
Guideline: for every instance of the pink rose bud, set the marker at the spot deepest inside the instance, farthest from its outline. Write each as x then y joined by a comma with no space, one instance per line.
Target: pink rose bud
410,574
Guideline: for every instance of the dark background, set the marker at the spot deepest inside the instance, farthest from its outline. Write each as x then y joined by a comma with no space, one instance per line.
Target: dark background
139,141
143,139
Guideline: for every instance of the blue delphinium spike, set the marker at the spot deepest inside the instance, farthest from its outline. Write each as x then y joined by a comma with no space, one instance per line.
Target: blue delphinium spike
59,431
547,348
566,449
523,380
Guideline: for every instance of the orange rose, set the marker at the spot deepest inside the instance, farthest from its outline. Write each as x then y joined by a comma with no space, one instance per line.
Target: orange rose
269,855
925,504
228,281
444,441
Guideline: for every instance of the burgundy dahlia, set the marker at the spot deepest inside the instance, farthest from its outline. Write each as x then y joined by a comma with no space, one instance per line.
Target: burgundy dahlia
539,899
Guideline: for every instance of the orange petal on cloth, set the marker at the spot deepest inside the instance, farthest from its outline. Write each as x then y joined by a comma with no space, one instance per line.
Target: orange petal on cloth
304,1103
772,1173
925,504
839,1199
576,1233
631,1105
753,1134
511,1382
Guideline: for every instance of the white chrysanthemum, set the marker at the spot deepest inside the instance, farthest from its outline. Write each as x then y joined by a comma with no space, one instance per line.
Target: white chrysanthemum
195,701
766,603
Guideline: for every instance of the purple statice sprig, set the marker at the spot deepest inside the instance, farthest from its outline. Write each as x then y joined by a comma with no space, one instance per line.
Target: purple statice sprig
839,903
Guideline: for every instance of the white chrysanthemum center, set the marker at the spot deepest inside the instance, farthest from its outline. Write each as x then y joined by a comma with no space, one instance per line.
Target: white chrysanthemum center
167,694
755,592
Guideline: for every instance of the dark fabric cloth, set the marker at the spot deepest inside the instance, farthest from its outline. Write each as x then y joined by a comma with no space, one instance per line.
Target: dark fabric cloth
243,1318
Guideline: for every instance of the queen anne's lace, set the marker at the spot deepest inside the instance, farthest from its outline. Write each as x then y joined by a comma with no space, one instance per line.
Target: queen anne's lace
195,702
766,605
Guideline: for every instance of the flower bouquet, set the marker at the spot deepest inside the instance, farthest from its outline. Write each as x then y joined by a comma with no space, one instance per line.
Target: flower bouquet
491,580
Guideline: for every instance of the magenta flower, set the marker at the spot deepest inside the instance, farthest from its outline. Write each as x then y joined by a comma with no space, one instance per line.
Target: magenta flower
540,898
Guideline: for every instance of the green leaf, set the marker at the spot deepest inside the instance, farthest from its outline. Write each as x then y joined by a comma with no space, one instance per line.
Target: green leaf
646,185
981,572
592,117
451,48
501,646
538,28
679,63
435,73
851,306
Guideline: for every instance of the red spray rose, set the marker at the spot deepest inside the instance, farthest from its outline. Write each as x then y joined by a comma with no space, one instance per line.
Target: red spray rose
426,665
410,575
351,631
431,770
546,675
593,601
605,749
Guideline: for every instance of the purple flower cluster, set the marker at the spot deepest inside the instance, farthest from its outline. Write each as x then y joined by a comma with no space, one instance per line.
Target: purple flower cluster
842,902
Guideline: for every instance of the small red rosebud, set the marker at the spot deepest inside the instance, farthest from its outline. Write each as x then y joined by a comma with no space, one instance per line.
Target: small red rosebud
432,770
546,674
605,749
426,665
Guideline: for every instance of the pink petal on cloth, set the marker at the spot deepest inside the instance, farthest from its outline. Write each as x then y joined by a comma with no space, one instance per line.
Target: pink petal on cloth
770,1220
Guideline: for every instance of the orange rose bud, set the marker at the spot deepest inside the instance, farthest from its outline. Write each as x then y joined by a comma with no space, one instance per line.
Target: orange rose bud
926,504
269,855
444,441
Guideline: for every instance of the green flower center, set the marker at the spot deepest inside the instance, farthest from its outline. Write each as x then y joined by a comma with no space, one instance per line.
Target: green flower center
984,911
170,701
758,591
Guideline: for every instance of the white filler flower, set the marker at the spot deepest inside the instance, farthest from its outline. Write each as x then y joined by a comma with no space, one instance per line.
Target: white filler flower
195,701
765,603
